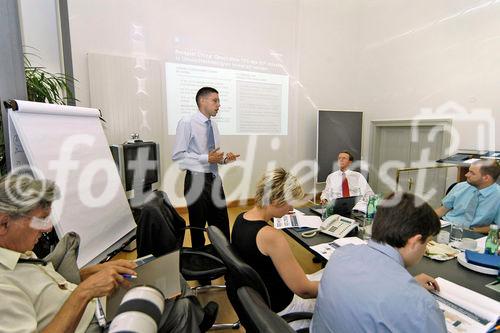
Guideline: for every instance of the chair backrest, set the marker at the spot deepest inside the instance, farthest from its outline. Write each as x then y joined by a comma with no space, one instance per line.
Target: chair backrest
239,274
160,229
450,188
262,318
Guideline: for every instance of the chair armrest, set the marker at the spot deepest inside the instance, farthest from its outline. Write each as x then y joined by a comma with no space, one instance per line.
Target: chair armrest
195,228
188,250
293,316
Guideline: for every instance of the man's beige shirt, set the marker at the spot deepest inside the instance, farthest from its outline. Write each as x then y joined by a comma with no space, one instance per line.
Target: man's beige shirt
32,294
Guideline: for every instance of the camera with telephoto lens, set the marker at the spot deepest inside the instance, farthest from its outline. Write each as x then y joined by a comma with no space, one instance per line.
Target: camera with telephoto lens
140,311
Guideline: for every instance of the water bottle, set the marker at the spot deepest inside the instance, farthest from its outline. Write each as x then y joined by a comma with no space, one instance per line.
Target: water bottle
324,216
491,246
371,208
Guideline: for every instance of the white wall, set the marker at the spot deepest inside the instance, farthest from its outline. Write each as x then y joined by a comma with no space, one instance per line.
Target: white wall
392,60
148,32
40,33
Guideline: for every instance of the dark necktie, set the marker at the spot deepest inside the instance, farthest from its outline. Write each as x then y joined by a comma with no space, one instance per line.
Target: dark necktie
211,138
211,145
345,186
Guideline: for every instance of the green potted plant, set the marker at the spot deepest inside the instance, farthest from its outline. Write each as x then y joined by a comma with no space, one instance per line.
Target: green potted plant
41,86
46,87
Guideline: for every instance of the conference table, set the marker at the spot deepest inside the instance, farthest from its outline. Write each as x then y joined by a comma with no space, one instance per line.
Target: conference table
450,270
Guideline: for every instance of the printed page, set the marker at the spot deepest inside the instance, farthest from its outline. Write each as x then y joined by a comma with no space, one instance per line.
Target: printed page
309,221
349,240
326,249
297,221
287,221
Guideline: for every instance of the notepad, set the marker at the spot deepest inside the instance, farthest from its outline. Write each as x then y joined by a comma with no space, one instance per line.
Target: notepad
161,273
464,310
482,259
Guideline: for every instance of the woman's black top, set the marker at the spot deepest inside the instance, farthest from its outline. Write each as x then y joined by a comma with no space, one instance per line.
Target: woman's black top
244,241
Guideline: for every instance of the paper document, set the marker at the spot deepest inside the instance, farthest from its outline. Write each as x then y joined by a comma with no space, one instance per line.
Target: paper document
471,160
297,221
297,212
309,221
144,260
361,206
349,240
326,249
444,223
287,221
465,310
481,244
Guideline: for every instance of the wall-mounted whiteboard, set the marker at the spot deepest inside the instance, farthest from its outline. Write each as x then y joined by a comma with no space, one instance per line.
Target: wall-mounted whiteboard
337,131
67,145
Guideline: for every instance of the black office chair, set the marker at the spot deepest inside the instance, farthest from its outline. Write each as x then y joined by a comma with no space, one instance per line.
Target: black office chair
450,188
160,229
263,318
239,274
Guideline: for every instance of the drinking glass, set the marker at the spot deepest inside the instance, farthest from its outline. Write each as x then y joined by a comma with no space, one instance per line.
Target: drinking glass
365,228
443,237
456,232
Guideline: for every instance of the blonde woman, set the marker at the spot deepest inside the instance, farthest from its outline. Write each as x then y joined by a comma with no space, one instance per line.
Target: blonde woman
267,251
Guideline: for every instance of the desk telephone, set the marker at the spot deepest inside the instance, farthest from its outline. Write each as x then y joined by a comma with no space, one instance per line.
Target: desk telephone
338,226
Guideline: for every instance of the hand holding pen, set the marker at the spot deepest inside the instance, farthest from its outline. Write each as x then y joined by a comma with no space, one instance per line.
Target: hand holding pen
427,282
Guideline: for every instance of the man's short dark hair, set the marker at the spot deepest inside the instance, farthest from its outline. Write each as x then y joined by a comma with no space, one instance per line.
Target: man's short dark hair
351,158
204,92
401,216
489,167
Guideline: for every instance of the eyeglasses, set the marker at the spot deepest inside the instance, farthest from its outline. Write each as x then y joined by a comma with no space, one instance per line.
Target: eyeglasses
41,223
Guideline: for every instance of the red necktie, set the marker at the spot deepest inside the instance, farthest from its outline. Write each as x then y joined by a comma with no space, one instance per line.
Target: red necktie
345,186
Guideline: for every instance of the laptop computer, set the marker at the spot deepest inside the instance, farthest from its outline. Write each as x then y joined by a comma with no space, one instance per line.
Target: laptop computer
340,206
161,273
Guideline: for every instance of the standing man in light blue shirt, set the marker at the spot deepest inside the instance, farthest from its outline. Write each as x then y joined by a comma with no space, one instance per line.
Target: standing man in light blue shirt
197,151
474,204
366,288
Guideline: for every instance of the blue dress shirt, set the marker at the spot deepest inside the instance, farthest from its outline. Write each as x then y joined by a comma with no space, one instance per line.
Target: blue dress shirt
366,288
191,143
488,206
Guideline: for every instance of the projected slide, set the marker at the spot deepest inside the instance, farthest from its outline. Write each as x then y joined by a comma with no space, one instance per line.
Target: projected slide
251,102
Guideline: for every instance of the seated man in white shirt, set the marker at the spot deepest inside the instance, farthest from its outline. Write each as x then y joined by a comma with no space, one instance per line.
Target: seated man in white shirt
346,183
34,296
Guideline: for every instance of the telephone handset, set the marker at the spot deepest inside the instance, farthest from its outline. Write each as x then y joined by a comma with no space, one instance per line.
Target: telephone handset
338,226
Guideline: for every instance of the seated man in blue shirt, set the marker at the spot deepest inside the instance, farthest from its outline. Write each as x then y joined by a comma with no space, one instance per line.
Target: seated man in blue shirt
366,288
474,204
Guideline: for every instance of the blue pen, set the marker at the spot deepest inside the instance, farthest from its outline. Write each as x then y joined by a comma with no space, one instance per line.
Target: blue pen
129,276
